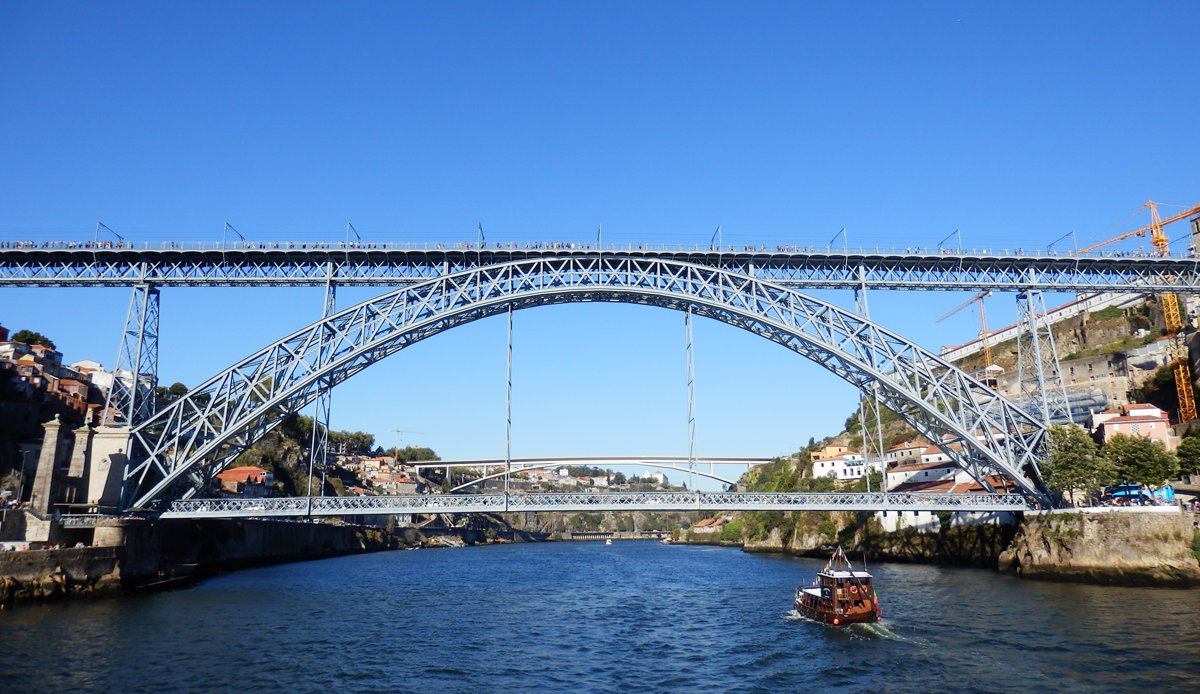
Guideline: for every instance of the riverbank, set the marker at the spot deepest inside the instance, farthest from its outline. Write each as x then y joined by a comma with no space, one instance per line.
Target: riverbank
815,535
1154,546
137,555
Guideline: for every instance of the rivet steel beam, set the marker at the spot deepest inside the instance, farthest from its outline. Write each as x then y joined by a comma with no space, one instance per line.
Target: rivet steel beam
391,267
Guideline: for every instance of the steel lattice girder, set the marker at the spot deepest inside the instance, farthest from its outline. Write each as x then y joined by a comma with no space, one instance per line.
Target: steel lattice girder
198,435
571,502
138,356
390,268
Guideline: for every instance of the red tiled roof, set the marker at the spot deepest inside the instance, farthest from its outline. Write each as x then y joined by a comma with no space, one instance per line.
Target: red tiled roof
1138,418
931,486
907,445
950,487
923,466
243,474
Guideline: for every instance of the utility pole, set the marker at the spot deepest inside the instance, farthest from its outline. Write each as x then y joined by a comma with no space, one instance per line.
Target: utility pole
508,414
691,399
872,404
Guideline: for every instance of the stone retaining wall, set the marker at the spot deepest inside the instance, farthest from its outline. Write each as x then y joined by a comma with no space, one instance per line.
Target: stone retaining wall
1126,548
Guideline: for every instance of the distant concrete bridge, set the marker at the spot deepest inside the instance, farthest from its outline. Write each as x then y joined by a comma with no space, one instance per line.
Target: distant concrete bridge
574,502
677,463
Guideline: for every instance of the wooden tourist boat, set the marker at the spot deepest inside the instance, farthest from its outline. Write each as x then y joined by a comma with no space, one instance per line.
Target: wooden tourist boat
840,595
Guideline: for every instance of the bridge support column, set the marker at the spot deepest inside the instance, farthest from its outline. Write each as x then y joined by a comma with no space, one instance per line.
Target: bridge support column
691,399
133,395
868,407
1043,391
42,498
318,452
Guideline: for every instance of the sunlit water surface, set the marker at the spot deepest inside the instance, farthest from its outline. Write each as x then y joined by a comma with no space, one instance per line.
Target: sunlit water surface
630,617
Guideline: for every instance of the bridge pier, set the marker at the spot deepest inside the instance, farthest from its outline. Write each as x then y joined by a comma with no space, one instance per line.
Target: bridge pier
138,355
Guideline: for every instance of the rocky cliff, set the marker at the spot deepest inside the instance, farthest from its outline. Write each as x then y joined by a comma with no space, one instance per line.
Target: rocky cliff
816,534
1121,548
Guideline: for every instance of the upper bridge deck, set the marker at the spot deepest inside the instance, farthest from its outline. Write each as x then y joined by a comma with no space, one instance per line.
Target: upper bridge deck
276,264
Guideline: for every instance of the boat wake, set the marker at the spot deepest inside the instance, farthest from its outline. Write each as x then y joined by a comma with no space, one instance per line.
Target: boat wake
875,630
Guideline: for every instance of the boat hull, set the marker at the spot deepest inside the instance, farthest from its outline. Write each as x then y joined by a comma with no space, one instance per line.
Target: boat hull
838,608
829,615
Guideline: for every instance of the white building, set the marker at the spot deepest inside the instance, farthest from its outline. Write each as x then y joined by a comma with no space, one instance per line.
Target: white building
845,466
914,473
937,474
906,452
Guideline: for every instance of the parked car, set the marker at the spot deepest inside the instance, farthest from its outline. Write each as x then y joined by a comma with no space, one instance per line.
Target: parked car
1127,494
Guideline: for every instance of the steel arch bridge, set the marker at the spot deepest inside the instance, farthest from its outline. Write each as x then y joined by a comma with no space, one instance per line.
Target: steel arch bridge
177,452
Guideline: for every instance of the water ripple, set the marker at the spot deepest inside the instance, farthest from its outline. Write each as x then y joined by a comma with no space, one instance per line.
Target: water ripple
583,617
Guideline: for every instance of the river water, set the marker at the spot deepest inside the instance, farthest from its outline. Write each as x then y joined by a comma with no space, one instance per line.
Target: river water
630,617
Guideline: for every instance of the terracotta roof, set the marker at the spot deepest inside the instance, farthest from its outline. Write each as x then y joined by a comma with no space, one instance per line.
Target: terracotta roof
704,523
933,450
923,466
907,445
931,486
243,474
1138,418
950,487
71,382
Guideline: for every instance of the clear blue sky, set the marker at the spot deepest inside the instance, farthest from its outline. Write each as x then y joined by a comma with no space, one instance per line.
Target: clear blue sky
783,122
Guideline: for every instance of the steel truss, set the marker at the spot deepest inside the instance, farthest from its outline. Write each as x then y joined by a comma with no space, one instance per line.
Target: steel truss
134,396
318,451
1043,390
292,267
180,450
571,502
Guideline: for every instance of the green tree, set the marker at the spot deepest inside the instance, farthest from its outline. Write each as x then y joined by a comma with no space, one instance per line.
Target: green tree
410,454
177,389
1141,460
1075,464
1189,453
31,338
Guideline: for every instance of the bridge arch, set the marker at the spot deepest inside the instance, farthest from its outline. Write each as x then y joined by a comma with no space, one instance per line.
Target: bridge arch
179,450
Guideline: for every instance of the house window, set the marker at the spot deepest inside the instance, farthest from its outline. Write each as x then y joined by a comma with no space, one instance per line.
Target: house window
1135,428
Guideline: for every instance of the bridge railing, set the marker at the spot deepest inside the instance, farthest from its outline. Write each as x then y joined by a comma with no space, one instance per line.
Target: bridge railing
567,502
573,246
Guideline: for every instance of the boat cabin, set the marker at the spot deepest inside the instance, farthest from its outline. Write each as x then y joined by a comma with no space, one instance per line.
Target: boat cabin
840,597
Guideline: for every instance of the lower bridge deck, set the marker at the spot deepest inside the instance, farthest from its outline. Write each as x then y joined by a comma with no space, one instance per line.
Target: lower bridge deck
572,502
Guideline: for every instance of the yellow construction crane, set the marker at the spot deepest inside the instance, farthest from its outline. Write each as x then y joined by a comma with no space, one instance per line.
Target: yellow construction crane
983,331
1177,347
1157,237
